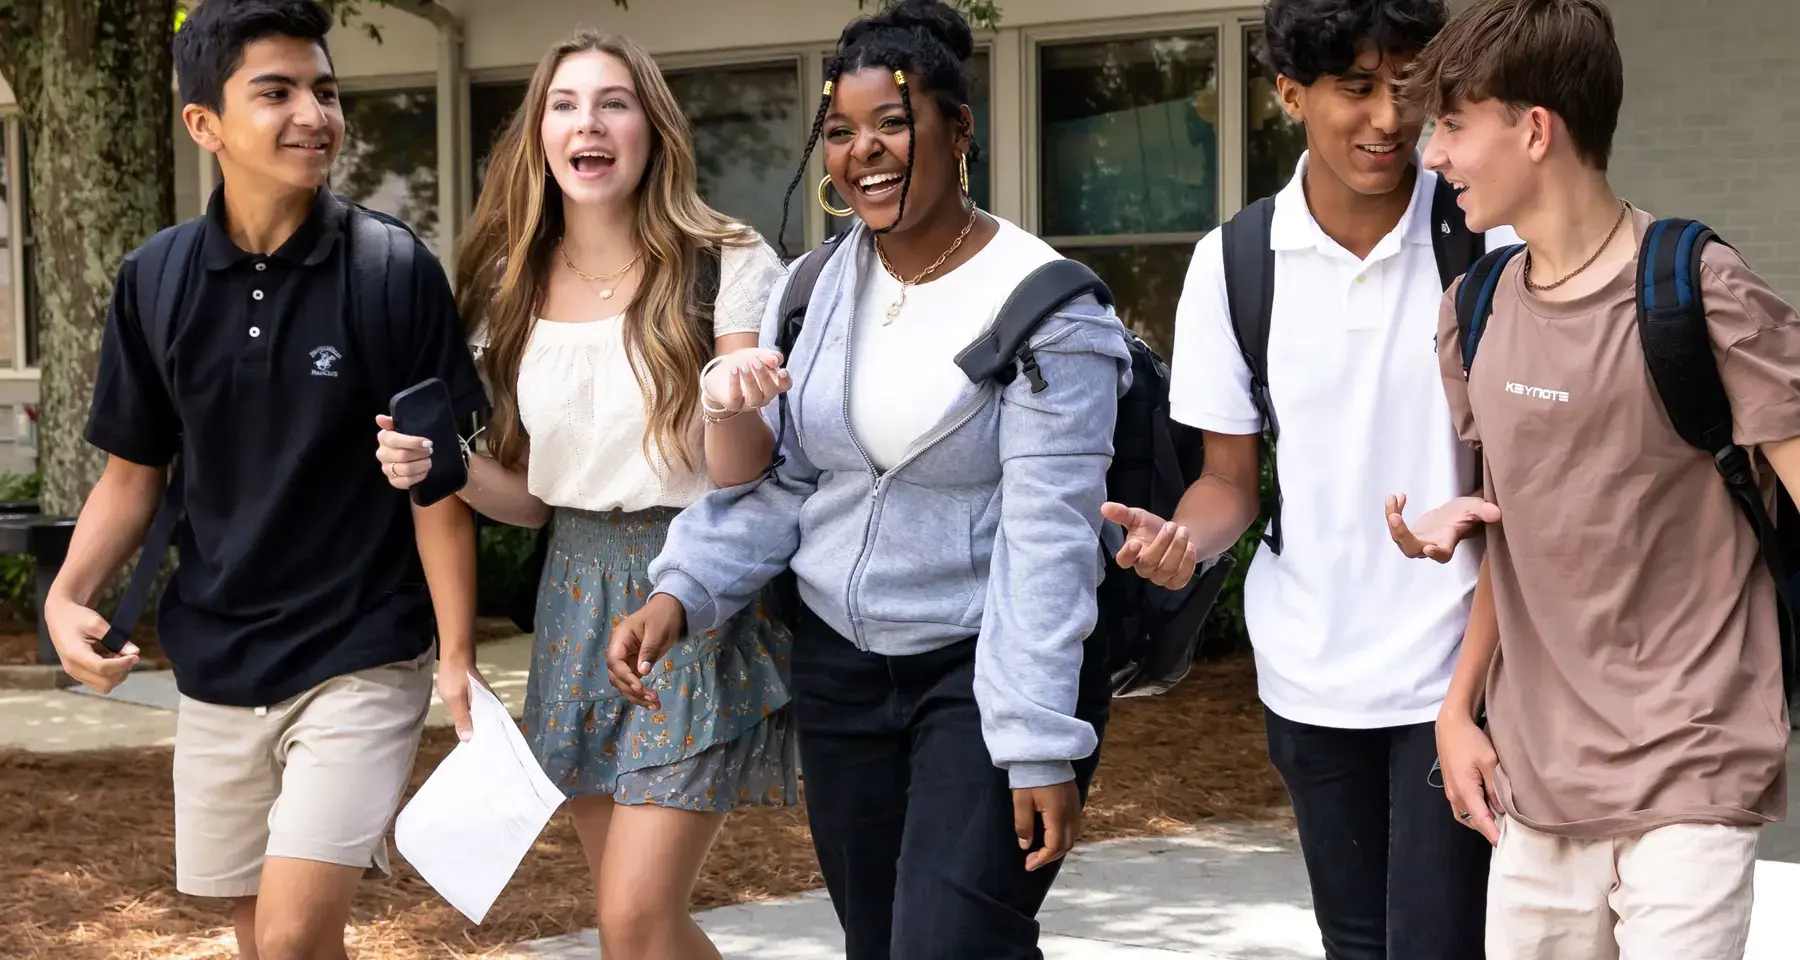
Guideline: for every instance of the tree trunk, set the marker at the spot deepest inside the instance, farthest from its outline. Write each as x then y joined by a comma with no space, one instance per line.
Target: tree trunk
94,80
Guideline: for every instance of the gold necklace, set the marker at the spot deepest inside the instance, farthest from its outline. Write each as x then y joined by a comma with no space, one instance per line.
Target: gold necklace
606,292
1624,208
893,309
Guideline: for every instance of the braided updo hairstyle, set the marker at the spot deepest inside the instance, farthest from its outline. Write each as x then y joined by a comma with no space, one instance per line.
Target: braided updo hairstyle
928,40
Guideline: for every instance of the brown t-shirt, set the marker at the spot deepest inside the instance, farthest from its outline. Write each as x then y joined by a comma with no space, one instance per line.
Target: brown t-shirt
1638,680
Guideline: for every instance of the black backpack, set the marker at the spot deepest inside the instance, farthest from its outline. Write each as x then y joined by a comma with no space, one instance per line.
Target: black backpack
1678,351
1151,633
1250,291
381,264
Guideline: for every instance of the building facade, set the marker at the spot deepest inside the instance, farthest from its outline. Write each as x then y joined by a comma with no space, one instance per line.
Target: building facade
1120,132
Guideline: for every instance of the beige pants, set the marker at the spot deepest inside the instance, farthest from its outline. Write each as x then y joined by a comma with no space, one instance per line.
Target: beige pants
317,777
1681,891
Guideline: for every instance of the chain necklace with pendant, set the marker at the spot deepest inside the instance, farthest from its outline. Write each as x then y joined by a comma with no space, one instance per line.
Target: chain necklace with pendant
607,288
893,309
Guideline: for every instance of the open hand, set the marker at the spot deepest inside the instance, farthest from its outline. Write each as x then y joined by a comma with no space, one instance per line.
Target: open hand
1156,549
1060,805
638,642
76,631
1468,761
404,460
746,379
1436,534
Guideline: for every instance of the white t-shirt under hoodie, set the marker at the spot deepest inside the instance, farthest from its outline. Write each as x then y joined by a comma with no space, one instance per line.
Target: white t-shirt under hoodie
585,413
903,376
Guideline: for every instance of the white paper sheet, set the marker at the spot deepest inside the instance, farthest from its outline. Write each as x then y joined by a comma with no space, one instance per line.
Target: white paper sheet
473,820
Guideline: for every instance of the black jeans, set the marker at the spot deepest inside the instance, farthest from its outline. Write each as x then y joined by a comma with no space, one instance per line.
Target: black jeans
1394,876
911,820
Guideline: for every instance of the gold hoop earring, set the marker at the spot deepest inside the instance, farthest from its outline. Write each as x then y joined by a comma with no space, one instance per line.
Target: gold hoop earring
962,165
826,204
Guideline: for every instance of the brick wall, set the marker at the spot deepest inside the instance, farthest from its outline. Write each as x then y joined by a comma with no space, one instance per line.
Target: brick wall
1711,126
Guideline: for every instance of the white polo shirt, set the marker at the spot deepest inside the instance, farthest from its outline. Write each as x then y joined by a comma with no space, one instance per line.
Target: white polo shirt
1347,632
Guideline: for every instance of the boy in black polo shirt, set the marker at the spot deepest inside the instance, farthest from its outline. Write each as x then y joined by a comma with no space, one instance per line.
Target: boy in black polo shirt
299,623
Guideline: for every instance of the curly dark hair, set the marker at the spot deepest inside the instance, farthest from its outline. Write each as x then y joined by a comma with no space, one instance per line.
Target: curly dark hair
209,48
929,40
1309,39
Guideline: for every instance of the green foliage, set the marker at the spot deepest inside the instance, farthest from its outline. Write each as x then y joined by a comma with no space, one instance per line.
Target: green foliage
502,553
981,14
18,575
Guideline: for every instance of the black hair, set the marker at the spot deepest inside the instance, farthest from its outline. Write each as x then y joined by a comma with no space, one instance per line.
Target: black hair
928,40
1308,39
209,48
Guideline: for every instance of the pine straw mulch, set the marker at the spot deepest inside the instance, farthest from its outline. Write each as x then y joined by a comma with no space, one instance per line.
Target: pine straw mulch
88,841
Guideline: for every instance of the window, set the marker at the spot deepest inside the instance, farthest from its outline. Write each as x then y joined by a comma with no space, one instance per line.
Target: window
389,160
1273,141
1128,169
491,108
748,134
18,289
981,95
10,334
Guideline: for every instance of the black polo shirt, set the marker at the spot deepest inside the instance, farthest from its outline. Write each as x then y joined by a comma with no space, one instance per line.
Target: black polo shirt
297,559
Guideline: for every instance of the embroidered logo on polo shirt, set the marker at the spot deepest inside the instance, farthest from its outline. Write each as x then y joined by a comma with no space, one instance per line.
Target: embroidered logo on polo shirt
325,361
1536,393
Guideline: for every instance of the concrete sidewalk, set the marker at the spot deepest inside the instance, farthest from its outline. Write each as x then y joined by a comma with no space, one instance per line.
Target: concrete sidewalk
1218,893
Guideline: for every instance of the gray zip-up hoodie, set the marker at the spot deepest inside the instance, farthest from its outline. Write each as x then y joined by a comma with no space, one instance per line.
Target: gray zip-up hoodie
988,526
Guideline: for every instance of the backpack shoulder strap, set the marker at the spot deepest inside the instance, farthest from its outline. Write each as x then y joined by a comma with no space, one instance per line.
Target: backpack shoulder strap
1475,300
1249,258
160,275
795,297
1456,247
381,267
1044,291
1678,351
1672,329
798,294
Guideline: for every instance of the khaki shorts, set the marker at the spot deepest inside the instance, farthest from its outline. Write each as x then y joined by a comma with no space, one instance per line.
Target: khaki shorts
316,777
1683,890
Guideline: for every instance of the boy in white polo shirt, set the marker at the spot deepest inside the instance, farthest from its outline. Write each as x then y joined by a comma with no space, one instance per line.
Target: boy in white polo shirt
1354,644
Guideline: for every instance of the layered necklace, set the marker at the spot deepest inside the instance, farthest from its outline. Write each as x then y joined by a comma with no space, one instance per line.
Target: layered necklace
893,309
608,282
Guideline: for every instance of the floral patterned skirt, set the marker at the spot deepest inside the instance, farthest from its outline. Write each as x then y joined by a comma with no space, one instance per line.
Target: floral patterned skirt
723,736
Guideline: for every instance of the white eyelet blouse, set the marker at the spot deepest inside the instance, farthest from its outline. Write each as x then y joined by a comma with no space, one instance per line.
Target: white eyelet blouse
584,411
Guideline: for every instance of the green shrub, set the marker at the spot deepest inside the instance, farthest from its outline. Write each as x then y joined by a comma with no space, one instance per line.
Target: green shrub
502,554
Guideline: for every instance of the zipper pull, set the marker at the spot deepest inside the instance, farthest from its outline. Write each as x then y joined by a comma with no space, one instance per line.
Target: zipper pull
1028,362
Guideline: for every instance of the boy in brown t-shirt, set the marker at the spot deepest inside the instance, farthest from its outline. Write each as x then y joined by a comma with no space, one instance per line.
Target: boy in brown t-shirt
1635,699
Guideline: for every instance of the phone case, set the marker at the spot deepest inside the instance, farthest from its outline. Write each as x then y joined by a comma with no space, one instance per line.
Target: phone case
424,410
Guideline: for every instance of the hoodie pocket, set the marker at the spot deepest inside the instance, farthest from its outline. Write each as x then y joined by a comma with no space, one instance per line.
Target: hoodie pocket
920,566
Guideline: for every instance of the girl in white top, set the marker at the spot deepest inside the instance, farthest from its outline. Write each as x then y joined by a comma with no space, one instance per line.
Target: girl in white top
599,295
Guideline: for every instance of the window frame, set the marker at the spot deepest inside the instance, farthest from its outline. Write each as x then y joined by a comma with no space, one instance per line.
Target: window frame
17,240
1227,27
447,232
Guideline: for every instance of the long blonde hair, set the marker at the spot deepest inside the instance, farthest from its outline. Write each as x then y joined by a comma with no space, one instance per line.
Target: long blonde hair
502,268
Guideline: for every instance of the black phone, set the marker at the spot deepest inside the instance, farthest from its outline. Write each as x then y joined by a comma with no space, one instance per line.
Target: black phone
424,410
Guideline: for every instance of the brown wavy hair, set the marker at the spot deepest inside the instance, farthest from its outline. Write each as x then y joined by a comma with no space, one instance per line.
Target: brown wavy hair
503,264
